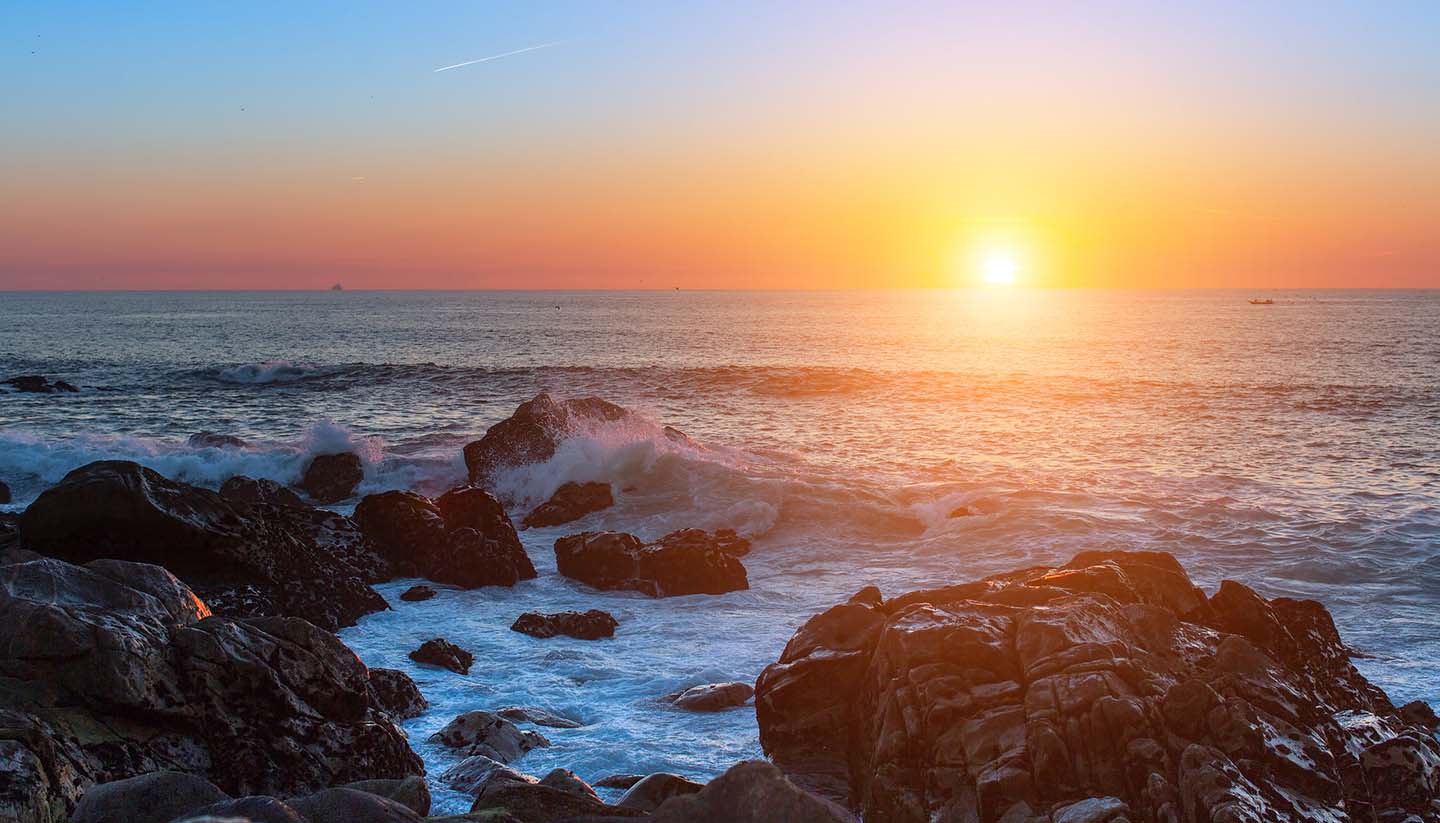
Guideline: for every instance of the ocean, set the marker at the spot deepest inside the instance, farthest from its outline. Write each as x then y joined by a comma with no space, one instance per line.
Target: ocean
1294,447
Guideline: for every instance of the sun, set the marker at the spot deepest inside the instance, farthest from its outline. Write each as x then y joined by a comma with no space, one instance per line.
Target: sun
999,268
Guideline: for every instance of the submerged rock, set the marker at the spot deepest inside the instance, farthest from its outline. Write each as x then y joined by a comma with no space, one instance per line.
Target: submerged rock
689,561
38,384
246,560
242,489
752,791
441,652
540,717
397,694
215,440
489,734
571,501
415,594
464,538
331,478
1108,688
713,697
590,625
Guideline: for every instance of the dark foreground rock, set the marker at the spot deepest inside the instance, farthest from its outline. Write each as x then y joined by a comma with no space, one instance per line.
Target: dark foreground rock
1109,688
713,697
463,538
689,561
752,791
571,501
441,652
589,625
163,797
112,670
248,490
331,478
395,693
246,560
38,384
647,793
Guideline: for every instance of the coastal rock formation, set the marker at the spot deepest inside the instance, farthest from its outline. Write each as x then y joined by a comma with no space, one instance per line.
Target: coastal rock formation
754,791
571,501
331,478
441,652
554,799
215,440
248,490
589,625
163,797
395,693
689,561
531,434
246,560
38,384
1108,688
113,669
489,734
647,793
464,538
415,594
713,697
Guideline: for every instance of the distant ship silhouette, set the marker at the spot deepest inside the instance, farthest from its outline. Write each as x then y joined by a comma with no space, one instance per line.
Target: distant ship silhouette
337,287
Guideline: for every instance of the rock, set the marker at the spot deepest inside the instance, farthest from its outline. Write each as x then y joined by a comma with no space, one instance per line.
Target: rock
341,805
242,489
647,793
410,792
331,478
1419,713
571,501
254,809
689,561
566,781
441,652
961,511
245,560
752,791
619,781
215,440
487,733
531,434
157,797
415,594
713,697
36,384
470,774
114,669
396,694
4,493
1107,689
590,625
533,802
464,538
540,717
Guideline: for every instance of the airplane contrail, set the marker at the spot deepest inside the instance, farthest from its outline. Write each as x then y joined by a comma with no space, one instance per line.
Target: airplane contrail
500,55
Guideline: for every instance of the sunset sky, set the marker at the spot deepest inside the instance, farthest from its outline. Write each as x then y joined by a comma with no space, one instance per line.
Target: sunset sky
270,145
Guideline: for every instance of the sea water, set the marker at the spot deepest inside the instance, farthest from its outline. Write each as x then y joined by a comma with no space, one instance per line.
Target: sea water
1294,447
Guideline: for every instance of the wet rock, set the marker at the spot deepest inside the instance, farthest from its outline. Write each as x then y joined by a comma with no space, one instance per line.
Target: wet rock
396,694
1107,689
215,440
410,792
4,493
589,625
488,734
464,538
647,793
157,797
539,717
752,791
37,384
713,697
246,490
441,652
571,501
341,805
245,560
689,561
531,434
1419,713
619,781
255,809
566,781
415,594
535,802
331,478
471,773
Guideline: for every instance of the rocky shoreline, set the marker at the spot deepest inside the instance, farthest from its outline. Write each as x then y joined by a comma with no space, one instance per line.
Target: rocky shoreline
164,642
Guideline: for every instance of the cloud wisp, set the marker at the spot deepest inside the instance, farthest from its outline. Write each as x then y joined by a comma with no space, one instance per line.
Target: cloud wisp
500,55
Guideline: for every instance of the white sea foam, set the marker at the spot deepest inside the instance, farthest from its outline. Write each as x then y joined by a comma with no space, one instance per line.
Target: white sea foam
271,371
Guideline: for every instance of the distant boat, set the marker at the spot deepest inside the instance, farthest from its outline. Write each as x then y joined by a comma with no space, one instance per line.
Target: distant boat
337,287
1261,301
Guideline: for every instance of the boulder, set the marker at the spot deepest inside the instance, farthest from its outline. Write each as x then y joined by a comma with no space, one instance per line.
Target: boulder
571,501
157,797
214,440
488,734
37,384
395,693
566,781
464,538
539,717
531,434
689,561
441,652
752,791
535,802
1109,688
343,805
331,478
113,670
470,774
252,809
589,625
415,594
246,490
410,792
713,697
619,781
647,793
246,560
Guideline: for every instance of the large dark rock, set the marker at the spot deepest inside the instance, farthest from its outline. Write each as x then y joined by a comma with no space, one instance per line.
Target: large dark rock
713,697
415,594
647,793
589,625
331,478
559,796
441,652
246,560
571,501
343,805
464,538
156,797
754,791
247,490
1109,688
489,734
689,561
531,434
38,384
113,669
397,694
4,492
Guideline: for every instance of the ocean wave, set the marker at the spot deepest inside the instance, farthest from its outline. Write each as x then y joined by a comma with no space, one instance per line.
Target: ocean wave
270,372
